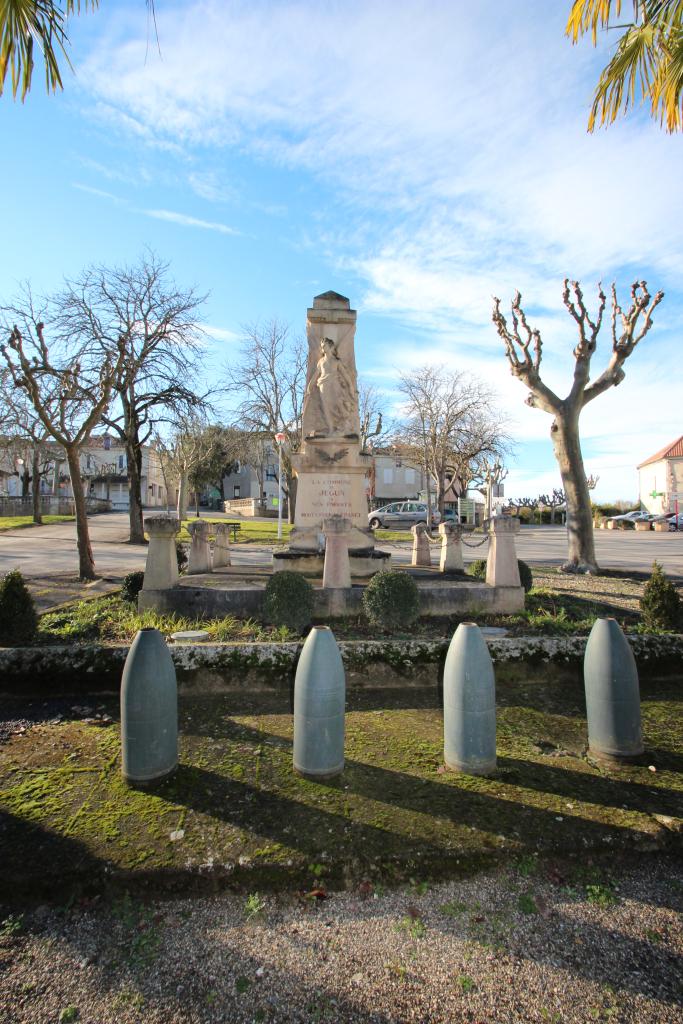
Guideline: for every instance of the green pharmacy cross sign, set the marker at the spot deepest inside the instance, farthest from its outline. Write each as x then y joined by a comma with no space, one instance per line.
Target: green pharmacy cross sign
656,494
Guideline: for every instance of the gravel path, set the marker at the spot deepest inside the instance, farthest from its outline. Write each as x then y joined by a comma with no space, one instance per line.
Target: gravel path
544,944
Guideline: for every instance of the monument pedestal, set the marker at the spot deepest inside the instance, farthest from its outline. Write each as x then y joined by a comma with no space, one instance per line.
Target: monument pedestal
331,469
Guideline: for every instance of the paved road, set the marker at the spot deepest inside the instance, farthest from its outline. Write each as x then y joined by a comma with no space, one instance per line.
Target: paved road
52,549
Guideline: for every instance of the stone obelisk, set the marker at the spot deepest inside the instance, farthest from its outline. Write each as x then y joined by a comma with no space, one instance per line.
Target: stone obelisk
330,468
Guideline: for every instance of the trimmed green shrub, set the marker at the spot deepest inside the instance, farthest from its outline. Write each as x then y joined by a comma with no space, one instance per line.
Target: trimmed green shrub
288,600
181,555
525,575
132,585
478,570
18,618
391,599
660,603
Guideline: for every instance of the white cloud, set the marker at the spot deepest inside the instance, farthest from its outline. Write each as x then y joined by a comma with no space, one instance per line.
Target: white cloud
190,222
453,140
221,334
100,193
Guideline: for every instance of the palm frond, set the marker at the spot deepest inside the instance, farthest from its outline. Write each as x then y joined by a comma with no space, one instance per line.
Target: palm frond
591,14
667,90
24,23
636,60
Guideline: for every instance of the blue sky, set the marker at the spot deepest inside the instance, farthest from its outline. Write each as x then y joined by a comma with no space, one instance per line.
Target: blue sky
417,157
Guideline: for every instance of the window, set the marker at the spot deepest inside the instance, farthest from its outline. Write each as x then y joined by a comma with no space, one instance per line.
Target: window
388,476
122,462
271,472
236,491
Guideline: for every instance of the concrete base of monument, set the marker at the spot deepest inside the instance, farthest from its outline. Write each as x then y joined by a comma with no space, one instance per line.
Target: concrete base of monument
240,594
312,540
363,563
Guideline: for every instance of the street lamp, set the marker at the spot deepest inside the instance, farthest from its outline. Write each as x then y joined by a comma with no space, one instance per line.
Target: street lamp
280,439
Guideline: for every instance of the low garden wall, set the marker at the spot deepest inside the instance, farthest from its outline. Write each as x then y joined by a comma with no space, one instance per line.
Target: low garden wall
215,600
216,668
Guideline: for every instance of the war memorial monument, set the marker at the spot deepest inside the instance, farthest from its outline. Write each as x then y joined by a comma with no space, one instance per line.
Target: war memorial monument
330,542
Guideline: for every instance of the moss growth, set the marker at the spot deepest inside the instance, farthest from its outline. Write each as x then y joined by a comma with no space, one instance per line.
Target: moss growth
238,812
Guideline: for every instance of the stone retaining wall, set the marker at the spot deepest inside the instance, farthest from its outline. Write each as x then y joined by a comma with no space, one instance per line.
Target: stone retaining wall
214,668
211,598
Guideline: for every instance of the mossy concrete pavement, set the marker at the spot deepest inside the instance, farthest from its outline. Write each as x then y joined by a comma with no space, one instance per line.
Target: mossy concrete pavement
235,812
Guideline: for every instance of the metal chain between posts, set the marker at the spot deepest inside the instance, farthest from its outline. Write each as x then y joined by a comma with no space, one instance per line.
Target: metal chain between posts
437,540
478,544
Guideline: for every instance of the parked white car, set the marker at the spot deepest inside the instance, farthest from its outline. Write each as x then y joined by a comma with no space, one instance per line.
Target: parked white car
631,517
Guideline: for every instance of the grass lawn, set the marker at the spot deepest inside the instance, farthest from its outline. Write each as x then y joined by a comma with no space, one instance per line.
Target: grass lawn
558,605
17,522
266,532
110,619
236,810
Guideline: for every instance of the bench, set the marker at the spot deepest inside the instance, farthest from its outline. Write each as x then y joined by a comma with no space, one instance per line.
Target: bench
234,529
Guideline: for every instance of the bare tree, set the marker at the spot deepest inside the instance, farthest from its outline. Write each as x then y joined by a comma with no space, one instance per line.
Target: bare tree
157,324
488,473
374,428
523,347
451,422
516,504
24,439
269,380
182,454
70,387
553,501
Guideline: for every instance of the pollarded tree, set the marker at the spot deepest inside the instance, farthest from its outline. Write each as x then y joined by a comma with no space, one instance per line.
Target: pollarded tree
488,474
555,500
523,347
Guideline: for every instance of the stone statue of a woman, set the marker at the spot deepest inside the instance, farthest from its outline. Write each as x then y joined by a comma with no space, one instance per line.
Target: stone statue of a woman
334,389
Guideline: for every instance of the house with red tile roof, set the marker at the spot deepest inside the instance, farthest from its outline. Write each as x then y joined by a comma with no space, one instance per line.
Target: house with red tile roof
661,479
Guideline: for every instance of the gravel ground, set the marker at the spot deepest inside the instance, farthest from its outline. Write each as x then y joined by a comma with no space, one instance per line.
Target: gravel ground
537,944
622,592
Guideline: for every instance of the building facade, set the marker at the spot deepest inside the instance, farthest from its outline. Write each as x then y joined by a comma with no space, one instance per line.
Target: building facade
660,480
104,474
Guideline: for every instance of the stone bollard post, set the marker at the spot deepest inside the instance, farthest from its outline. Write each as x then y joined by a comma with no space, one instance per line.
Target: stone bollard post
612,692
469,703
200,550
149,710
451,548
336,570
221,547
319,699
161,569
501,564
421,554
